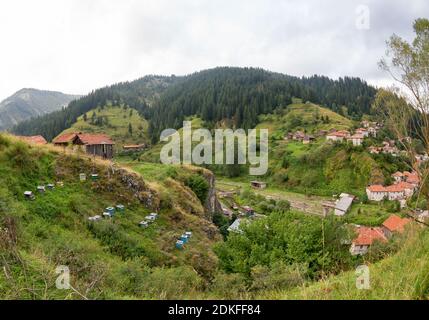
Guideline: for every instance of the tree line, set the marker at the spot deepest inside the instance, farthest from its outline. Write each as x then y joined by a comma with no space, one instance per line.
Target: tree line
237,94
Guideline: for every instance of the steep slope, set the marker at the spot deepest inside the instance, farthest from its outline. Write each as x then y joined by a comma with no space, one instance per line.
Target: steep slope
111,258
308,117
114,121
401,276
29,103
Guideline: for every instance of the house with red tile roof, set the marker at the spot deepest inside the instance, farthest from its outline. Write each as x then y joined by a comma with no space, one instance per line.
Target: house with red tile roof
366,236
95,144
362,131
399,191
33,139
337,135
394,224
65,139
356,139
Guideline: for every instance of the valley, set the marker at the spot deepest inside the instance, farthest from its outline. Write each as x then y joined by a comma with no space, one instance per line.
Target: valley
335,179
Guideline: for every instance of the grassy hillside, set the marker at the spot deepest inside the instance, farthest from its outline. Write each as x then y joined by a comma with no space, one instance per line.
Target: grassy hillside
320,168
114,121
401,276
307,117
109,258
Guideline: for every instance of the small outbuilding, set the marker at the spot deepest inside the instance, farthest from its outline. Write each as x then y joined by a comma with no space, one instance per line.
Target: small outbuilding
258,184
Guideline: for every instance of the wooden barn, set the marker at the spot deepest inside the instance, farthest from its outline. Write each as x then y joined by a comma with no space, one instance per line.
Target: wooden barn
95,144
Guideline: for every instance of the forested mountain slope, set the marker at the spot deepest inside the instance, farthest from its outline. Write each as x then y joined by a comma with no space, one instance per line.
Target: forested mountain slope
238,94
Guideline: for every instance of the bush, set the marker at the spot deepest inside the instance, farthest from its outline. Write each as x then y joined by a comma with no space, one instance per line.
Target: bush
278,276
229,285
171,283
199,186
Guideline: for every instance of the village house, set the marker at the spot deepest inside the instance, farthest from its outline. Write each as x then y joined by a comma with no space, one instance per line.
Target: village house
337,135
94,144
374,150
387,148
372,131
235,226
33,139
362,131
299,136
366,236
422,158
399,191
342,206
356,139
394,224
307,139
406,176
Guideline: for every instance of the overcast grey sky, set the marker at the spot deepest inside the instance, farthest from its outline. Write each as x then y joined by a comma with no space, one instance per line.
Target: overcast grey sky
75,46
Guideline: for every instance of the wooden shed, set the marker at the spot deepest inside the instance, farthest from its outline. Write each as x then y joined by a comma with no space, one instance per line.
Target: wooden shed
95,144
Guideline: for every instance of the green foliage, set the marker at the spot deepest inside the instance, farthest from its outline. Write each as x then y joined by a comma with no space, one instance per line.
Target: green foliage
199,186
290,239
222,223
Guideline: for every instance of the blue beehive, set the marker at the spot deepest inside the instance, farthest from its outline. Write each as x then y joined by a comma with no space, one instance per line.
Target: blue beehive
120,208
110,210
184,238
179,244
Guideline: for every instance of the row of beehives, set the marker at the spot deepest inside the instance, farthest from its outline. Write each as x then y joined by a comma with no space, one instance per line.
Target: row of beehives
108,212
82,177
184,239
50,186
41,189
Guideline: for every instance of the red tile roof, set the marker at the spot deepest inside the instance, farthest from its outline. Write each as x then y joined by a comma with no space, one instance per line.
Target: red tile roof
376,188
395,223
92,139
65,138
413,178
86,138
399,187
337,134
366,236
34,139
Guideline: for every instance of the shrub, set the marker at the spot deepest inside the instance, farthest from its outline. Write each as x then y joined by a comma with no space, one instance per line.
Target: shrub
199,186
229,285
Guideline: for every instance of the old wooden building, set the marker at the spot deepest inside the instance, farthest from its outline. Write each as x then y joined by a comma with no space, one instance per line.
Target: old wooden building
95,144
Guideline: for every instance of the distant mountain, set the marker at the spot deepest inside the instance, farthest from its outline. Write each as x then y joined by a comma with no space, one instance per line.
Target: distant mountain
30,103
139,94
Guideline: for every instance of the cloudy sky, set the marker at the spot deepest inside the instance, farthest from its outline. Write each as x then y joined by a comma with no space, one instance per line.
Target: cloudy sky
75,46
